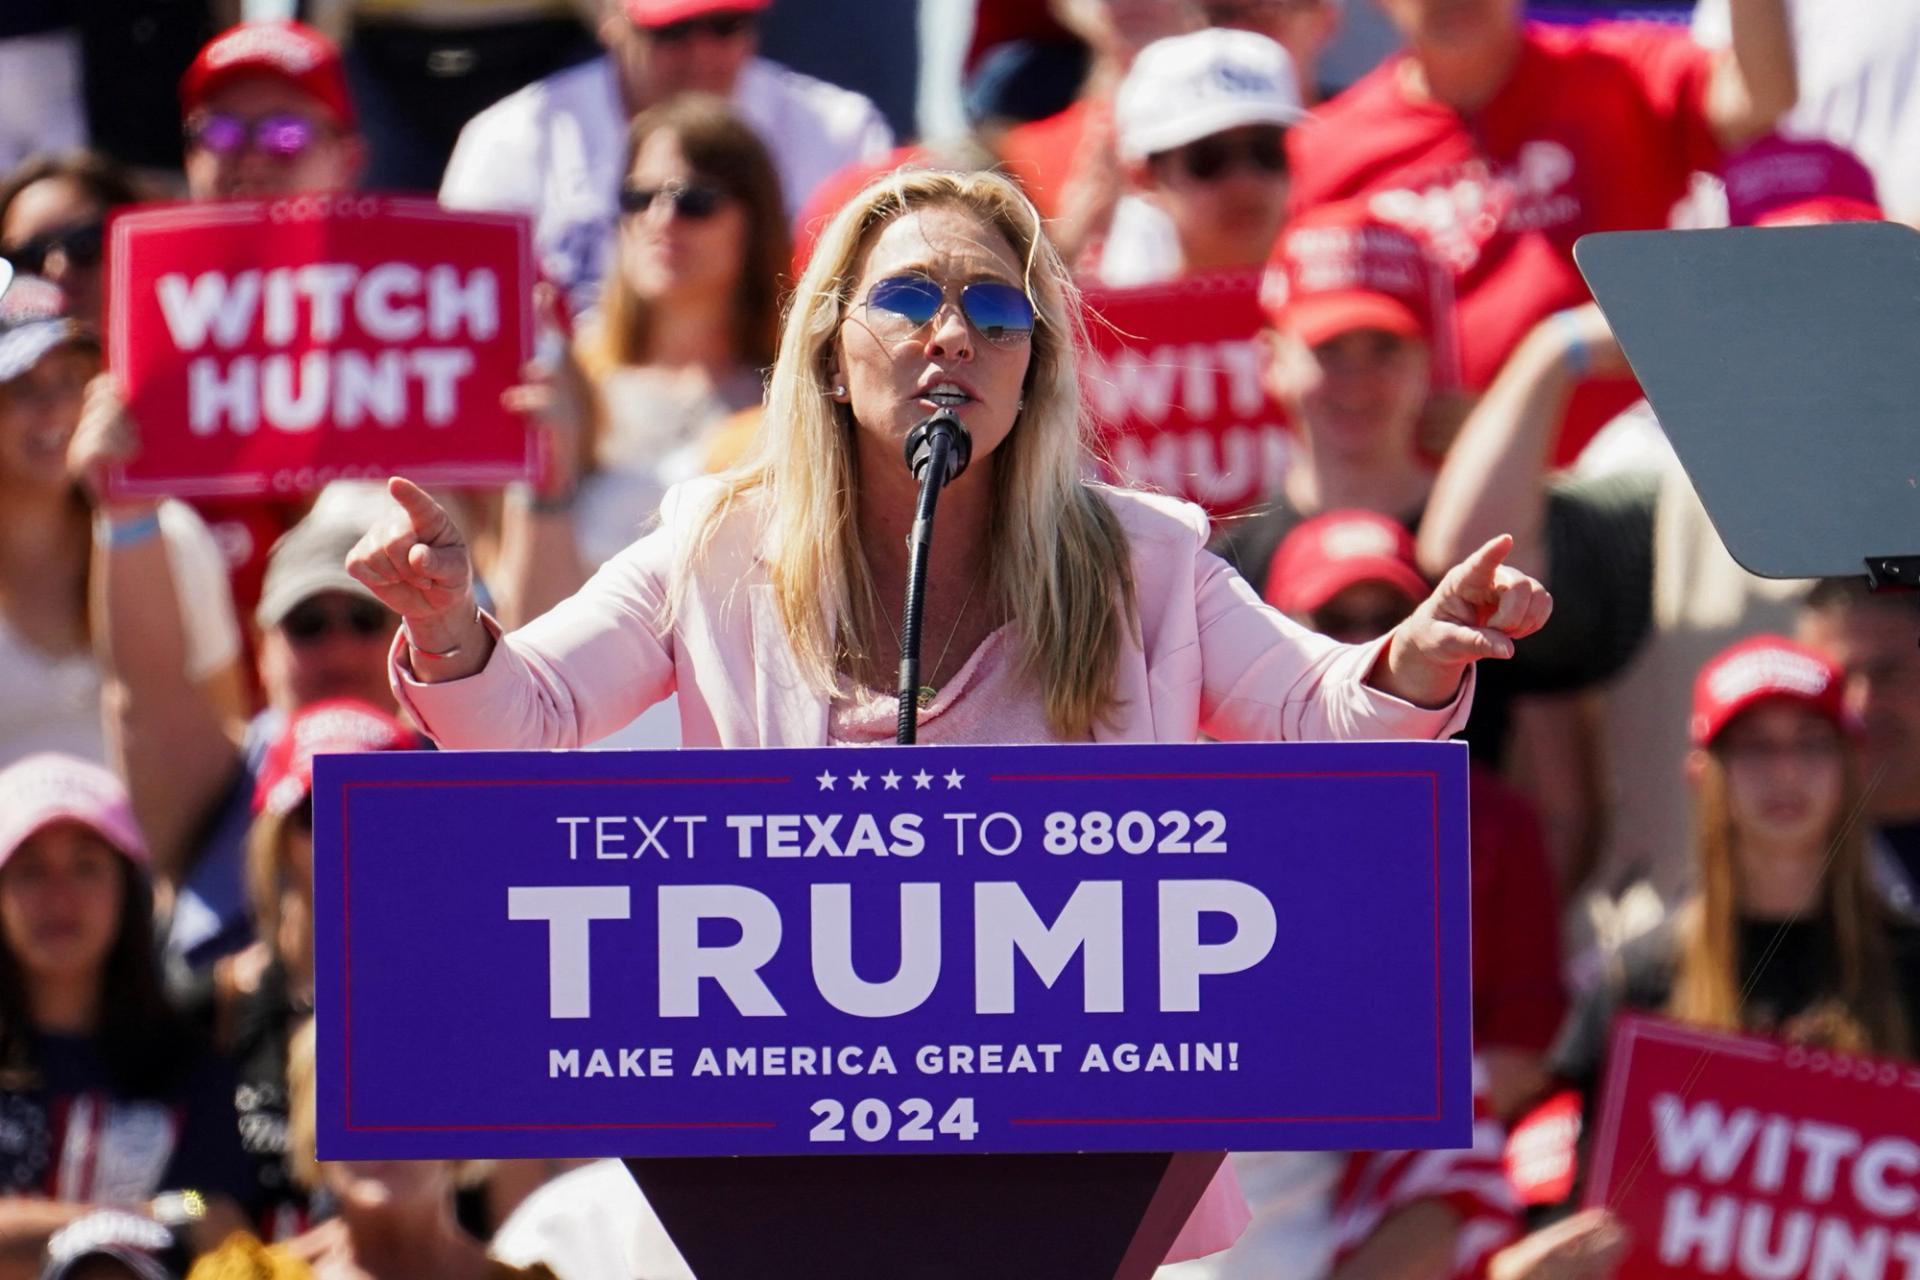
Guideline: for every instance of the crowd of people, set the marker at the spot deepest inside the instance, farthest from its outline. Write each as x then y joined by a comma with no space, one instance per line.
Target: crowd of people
1694,791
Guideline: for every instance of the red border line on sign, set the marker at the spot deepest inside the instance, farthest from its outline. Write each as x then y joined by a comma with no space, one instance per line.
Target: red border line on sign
346,921
1439,1111
1208,777
1439,1024
1148,1120
495,1128
391,783
346,950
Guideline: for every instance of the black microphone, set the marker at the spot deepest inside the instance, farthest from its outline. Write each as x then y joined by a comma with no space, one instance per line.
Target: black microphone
937,450
921,451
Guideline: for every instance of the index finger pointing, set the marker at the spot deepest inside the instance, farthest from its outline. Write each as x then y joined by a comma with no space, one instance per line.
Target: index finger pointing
429,520
1480,568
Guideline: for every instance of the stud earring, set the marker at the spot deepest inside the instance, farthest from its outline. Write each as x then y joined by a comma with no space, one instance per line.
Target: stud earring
839,391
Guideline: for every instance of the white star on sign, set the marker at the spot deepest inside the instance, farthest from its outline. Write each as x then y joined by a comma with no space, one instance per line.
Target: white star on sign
923,781
826,781
859,781
954,778
891,779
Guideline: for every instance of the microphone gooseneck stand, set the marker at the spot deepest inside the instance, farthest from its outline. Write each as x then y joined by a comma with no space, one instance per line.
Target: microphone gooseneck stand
937,450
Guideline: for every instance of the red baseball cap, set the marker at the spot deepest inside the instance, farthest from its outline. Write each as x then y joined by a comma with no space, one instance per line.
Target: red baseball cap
1325,555
289,51
338,726
1779,181
1760,669
1340,268
664,13
40,790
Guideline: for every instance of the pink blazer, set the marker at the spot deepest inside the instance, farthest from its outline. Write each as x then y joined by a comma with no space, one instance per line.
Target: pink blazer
1210,656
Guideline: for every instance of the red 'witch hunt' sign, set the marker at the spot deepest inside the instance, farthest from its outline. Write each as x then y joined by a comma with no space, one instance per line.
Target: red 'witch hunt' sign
1174,380
1733,1156
269,347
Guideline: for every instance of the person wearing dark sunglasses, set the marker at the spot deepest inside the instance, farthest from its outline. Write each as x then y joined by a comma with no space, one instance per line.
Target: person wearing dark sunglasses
55,253
557,150
267,113
687,322
1200,122
693,46
322,634
53,214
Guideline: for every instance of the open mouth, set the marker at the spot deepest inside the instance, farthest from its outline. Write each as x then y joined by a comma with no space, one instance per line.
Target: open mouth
946,395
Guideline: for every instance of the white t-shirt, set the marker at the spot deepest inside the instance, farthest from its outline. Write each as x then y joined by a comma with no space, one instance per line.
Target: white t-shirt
52,703
553,150
1142,246
590,1224
1859,70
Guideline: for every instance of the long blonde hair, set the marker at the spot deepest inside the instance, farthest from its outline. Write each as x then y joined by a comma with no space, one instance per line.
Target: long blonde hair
1865,1006
1058,556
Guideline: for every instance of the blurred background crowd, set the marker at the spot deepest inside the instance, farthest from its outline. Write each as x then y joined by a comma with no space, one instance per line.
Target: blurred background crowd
1695,792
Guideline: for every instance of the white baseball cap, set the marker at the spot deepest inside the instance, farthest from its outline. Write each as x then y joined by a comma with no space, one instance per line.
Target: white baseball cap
1183,88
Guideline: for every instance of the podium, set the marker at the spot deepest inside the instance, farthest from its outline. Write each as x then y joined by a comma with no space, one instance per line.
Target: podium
934,1217
915,1012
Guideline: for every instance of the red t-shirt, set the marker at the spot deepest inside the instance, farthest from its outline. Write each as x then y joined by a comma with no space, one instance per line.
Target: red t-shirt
1598,129
1043,155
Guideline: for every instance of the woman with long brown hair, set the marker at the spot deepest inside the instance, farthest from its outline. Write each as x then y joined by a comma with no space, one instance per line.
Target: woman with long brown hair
1783,868
1786,933
686,330
106,1096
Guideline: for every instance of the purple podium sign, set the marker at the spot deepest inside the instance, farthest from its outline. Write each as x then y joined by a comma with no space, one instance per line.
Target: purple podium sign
893,949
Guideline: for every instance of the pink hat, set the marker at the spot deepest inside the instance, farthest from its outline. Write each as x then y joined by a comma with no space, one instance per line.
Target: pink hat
338,726
1758,669
1340,268
43,789
1786,180
1325,555
289,51
664,13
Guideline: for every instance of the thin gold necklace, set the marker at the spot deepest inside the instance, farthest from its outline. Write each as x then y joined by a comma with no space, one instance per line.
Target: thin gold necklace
926,693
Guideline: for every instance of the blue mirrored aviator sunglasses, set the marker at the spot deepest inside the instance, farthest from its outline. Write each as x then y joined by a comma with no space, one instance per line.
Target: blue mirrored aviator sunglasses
1000,312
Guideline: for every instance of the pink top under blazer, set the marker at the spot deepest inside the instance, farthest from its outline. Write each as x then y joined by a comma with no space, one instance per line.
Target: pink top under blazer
1210,657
